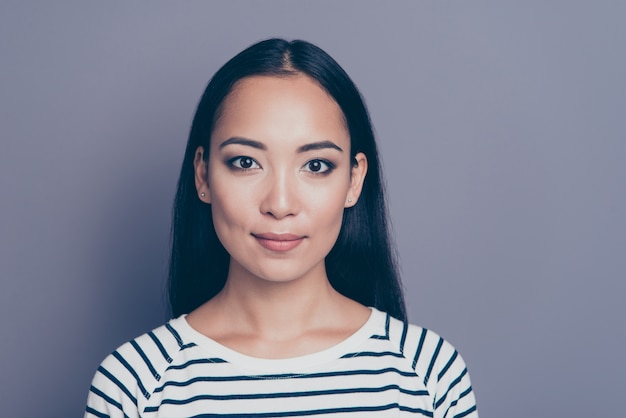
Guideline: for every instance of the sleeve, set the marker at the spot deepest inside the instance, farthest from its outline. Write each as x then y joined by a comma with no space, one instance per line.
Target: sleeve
454,396
114,390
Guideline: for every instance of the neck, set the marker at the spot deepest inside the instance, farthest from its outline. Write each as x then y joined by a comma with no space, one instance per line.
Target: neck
278,309
270,319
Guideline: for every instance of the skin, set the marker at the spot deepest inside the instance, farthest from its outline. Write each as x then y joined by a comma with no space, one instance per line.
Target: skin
278,178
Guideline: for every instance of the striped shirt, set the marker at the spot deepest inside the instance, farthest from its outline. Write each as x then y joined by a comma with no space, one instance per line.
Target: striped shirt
386,369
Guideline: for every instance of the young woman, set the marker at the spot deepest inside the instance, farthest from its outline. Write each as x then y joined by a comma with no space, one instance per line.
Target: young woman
283,281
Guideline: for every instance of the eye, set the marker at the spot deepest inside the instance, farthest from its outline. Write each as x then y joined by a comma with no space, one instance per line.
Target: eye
318,166
243,163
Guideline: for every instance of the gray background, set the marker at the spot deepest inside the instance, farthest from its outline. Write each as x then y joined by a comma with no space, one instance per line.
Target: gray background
502,131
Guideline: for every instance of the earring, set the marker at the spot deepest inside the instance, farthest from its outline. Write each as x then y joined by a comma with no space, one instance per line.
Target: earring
202,194
349,200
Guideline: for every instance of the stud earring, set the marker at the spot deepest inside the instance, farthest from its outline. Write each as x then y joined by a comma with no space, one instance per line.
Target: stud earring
202,194
349,200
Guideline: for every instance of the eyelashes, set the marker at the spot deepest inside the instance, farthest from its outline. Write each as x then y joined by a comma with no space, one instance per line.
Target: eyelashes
316,166
243,163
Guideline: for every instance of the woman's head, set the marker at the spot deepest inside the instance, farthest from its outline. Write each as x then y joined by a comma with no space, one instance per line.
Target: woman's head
361,263
278,176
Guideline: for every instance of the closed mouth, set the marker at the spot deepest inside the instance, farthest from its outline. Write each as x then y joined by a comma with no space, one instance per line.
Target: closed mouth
278,242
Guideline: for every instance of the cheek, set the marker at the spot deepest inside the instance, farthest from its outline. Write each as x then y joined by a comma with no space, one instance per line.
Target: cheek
229,210
228,221
327,207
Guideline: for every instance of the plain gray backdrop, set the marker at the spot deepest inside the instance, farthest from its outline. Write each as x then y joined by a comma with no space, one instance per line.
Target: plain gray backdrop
503,136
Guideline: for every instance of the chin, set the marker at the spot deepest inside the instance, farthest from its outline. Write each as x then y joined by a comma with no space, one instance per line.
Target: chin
284,271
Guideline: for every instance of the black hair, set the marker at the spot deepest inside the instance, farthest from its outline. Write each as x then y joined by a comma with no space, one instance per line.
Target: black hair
362,263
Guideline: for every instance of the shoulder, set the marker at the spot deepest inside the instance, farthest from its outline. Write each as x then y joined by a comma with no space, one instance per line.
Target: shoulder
427,350
437,363
127,377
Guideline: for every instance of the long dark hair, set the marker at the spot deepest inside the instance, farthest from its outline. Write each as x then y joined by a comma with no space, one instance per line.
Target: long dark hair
362,263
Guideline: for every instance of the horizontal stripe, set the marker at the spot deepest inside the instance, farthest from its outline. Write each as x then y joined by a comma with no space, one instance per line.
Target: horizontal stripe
288,395
394,367
373,354
195,362
244,378
319,412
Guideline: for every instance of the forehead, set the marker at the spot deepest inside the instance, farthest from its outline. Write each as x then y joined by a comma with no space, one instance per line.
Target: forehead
271,106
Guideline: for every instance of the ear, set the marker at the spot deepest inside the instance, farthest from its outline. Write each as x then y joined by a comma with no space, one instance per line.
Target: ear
201,175
357,177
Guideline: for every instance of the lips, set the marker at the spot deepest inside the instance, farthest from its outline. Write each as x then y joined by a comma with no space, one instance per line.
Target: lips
278,242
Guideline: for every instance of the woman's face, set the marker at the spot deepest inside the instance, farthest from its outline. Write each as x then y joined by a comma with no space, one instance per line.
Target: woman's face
279,176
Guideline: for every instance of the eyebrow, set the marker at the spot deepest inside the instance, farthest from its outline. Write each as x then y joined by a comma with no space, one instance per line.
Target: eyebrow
243,141
259,145
319,145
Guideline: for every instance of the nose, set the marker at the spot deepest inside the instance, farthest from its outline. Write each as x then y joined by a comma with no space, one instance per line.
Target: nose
280,195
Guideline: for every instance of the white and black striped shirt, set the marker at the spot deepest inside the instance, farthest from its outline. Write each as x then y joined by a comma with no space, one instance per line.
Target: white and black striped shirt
386,369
